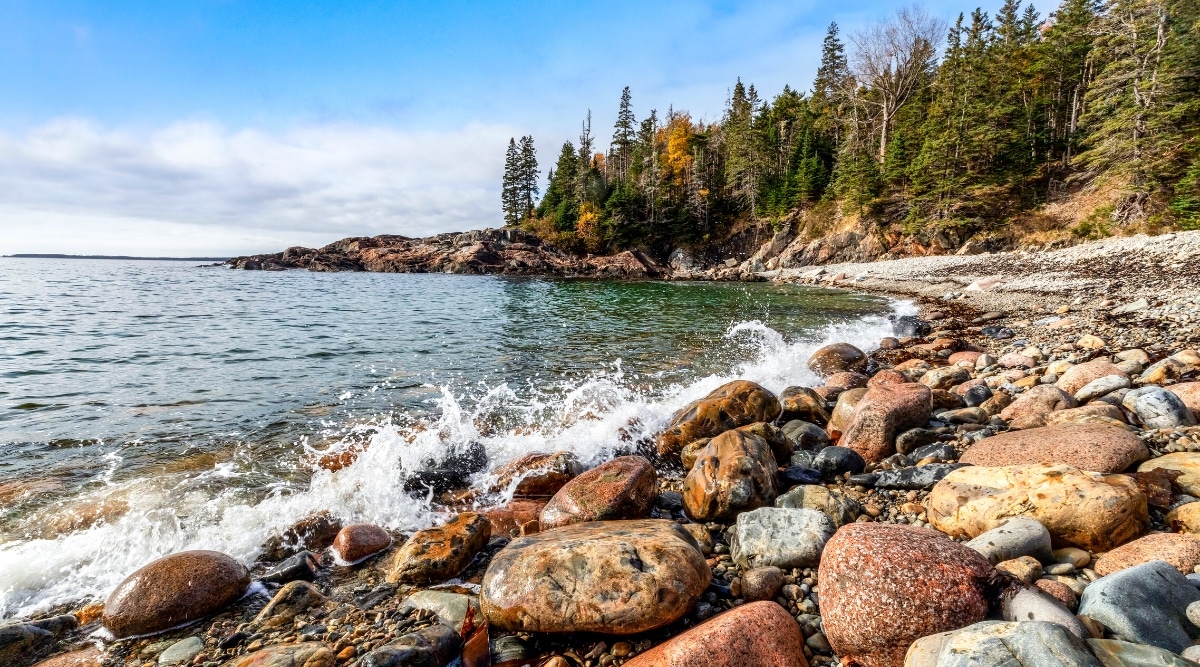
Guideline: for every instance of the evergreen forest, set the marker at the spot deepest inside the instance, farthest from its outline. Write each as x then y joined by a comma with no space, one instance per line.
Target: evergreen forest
912,127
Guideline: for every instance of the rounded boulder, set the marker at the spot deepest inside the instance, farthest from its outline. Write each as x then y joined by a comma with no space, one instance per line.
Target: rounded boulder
729,406
174,590
837,358
883,586
1094,447
612,577
623,488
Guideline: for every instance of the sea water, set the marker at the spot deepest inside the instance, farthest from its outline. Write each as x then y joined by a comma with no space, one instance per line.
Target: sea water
151,407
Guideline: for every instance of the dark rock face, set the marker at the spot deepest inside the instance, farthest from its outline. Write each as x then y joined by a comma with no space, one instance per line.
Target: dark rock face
487,251
174,590
21,643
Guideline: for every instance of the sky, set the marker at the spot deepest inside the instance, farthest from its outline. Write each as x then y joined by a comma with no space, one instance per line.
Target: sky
226,127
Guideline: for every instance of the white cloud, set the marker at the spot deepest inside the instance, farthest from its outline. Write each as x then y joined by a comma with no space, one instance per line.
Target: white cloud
73,186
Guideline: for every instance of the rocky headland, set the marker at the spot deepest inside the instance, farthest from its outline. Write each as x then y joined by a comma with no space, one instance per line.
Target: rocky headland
1013,478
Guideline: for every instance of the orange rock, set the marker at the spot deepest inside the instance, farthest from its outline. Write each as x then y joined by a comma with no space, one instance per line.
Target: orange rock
734,472
884,586
623,488
360,541
758,634
1180,550
1093,447
1029,410
439,553
969,357
729,406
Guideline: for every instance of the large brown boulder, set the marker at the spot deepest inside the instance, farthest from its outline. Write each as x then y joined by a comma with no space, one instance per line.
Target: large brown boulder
1084,509
537,475
837,358
1076,377
1029,410
439,553
884,586
1180,550
882,413
88,657
612,577
1094,447
729,406
734,472
174,590
623,488
758,634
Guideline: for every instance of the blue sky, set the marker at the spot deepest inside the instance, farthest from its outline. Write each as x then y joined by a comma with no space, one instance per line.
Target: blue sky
228,126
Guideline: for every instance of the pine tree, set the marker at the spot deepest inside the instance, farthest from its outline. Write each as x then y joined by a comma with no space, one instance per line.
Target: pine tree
527,179
1129,133
624,133
510,196
830,88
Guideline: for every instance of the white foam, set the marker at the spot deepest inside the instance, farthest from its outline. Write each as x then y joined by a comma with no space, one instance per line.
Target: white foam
594,417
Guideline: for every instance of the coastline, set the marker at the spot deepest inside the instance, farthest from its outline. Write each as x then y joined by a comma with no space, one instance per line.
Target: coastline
1004,346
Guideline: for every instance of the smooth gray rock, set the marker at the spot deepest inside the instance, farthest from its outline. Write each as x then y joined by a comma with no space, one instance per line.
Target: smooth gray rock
806,436
1191,653
782,537
1193,613
939,451
1101,387
1116,653
1031,604
1158,408
1019,536
840,508
1145,604
1001,644
181,652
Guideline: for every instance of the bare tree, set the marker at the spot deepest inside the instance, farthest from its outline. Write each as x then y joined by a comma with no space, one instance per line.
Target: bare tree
893,58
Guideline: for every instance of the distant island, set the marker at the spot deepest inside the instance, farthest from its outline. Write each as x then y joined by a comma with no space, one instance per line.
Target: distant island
32,255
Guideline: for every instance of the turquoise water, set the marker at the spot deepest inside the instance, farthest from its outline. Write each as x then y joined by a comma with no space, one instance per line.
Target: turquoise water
161,406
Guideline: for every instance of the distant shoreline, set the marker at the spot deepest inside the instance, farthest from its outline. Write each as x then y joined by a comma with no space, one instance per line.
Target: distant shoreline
61,256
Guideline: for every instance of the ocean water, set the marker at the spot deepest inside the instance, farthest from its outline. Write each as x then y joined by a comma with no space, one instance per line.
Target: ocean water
151,407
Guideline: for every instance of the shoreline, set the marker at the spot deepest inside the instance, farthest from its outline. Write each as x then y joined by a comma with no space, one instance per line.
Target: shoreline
886,537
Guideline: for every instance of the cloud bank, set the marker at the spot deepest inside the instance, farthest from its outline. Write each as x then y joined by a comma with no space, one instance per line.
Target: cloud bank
196,187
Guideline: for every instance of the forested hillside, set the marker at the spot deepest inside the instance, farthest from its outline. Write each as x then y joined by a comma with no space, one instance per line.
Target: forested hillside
1082,123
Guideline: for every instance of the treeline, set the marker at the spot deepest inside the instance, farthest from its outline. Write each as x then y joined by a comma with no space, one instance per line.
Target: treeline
912,124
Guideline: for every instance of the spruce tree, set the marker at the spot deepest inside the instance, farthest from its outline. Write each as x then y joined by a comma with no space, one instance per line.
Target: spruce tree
510,197
624,133
527,180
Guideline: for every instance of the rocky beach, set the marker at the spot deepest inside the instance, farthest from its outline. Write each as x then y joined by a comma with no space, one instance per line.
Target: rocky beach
1011,478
